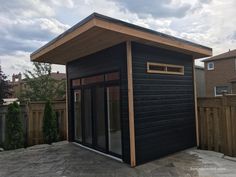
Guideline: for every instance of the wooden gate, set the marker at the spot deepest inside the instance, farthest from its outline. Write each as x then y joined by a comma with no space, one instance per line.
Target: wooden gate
217,124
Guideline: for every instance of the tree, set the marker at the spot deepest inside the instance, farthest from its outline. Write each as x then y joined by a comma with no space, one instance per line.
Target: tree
4,86
49,124
40,86
14,128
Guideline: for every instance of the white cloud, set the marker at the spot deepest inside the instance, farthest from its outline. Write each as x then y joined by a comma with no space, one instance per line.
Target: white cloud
63,3
27,25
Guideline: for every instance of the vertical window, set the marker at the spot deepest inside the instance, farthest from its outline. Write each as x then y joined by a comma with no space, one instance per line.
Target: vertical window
77,115
210,66
88,116
114,128
100,117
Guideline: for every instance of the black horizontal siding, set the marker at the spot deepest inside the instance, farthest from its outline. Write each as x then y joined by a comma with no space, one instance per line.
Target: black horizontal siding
107,60
163,104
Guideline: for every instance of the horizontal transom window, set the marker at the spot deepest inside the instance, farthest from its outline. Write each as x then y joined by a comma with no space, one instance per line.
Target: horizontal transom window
101,78
163,68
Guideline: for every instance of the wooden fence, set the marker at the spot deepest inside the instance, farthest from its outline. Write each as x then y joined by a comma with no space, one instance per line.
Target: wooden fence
32,119
35,121
217,124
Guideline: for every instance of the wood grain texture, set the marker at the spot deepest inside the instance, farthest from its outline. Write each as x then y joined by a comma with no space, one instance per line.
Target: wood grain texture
98,34
131,104
195,103
217,124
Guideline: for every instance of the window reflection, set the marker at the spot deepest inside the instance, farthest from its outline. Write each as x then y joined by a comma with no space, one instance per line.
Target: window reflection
112,76
114,129
93,79
88,116
77,115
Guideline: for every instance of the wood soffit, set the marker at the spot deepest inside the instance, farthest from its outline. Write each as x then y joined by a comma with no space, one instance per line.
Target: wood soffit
98,32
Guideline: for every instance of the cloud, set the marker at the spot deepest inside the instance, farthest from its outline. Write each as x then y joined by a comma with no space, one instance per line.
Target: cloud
27,25
233,36
27,35
26,8
24,27
63,3
157,8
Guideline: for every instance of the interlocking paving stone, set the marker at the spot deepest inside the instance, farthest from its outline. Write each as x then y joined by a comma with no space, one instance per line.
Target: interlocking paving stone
65,159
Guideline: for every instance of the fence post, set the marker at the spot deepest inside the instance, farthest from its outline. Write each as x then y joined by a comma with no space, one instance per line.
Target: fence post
227,126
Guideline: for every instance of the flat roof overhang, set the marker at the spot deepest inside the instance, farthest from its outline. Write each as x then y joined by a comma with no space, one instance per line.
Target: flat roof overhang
98,32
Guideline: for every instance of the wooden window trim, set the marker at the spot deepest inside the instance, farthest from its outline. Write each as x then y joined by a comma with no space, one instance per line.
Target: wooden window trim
149,70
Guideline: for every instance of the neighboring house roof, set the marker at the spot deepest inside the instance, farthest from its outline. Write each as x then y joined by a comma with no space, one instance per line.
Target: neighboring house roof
226,55
97,32
199,67
58,76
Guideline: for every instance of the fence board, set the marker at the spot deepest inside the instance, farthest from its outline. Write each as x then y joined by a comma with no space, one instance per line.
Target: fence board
217,124
36,121
32,119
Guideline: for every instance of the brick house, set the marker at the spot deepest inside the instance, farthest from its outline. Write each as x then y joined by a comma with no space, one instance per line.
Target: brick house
220,74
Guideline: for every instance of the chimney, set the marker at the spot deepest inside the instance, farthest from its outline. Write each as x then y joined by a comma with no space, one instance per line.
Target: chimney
229,50
20,77
57,72
13,78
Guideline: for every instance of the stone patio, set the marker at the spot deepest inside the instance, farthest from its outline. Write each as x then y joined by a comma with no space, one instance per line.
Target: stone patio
68,160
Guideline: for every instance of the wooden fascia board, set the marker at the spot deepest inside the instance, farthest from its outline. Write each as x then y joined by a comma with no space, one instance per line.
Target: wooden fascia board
64,39
131,33
151,37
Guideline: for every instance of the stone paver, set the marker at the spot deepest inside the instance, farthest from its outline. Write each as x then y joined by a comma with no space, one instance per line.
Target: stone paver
68,160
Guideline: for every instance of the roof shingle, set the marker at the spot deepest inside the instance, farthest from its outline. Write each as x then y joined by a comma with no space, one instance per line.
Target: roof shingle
229,54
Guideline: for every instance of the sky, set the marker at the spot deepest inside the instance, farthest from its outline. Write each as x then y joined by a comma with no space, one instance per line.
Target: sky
26,25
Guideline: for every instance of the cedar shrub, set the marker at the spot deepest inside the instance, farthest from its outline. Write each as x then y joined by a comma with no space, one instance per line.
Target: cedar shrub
14,128
49,124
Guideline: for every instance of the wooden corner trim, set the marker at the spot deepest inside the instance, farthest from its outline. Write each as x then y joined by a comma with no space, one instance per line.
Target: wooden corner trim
195,104
131,104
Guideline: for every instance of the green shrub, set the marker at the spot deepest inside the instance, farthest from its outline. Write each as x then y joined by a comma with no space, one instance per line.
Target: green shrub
49,124
14,128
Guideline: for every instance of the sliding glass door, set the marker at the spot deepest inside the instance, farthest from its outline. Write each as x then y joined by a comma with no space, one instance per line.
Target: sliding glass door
97,113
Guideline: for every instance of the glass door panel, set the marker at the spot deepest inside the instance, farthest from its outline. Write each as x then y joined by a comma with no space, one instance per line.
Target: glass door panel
99,115
97,112
113,111
77,115
88,116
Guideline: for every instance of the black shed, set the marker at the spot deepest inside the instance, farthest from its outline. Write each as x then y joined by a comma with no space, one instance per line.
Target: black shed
130,90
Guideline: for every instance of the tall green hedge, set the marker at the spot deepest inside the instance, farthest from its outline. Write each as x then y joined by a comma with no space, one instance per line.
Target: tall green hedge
49,124
14,128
